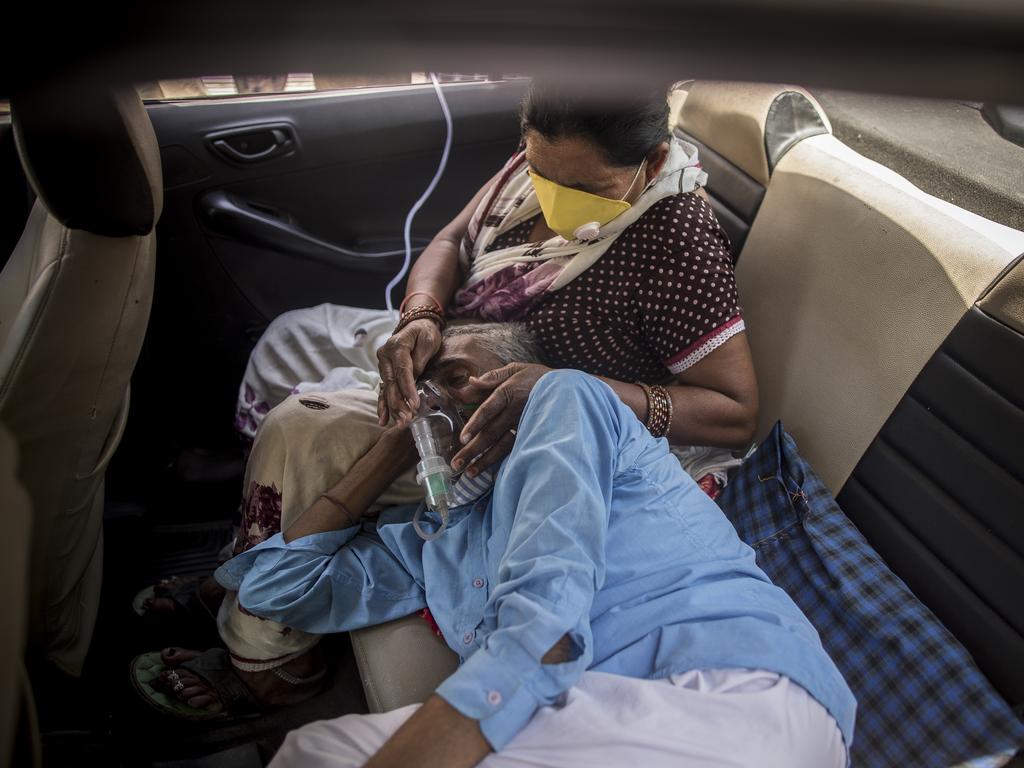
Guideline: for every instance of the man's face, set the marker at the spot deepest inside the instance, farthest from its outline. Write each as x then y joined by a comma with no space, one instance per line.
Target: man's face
459,358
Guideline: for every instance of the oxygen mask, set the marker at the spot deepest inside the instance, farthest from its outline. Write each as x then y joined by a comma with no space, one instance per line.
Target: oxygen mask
435,428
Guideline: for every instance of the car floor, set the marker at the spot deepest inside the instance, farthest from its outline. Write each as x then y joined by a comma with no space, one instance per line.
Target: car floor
99,718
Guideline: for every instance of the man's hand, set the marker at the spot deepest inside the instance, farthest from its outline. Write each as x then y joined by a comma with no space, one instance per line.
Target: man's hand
489,431
401,360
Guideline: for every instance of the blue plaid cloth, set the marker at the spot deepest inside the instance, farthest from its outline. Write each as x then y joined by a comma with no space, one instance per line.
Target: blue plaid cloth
921,699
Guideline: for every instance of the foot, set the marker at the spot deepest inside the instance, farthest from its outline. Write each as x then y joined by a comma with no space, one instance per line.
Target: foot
267,687
210,593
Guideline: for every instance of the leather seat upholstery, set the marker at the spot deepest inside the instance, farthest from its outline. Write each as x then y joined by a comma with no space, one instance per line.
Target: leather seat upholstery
886,330
75,297
940,490
17,716
742,131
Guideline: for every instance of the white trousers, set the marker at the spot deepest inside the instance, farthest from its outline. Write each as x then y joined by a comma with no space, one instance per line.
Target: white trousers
707,718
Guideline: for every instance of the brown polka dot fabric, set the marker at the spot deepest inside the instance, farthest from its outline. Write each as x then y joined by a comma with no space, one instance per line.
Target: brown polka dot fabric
660,298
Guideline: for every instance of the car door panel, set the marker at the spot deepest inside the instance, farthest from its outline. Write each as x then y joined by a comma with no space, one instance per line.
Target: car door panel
243,240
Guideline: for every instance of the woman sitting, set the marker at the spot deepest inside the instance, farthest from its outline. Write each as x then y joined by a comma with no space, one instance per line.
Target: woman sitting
597,236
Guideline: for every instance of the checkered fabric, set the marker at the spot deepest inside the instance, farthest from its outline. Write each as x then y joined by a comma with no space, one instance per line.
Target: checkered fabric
921,699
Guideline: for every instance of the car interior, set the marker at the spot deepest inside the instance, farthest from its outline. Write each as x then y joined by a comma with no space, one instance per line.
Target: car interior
149,243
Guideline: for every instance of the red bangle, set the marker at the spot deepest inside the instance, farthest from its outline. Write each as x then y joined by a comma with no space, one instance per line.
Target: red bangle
401,308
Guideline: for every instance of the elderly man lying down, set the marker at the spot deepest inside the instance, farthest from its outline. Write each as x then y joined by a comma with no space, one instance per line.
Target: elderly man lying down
604,609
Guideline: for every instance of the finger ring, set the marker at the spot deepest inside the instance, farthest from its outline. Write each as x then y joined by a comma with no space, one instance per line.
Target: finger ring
179,686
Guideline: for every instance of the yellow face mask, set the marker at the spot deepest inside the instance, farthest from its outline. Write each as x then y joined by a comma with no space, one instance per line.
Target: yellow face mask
575,214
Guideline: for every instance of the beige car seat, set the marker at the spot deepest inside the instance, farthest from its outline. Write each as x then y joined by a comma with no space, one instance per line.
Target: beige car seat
74,303
850,277
886,331
17,713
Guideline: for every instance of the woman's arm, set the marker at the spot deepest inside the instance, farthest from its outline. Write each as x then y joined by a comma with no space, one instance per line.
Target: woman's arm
437,271
714,402
436,275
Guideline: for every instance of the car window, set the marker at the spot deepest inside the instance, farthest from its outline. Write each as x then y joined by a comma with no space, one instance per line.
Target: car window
220,86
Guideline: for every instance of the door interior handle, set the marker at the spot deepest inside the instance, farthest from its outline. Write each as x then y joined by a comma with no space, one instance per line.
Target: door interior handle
254,143
228,215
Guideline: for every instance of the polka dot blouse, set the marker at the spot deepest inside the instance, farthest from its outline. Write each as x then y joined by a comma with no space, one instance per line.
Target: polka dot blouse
659,300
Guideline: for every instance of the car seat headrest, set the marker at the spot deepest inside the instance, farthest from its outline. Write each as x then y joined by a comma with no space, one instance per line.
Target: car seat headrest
91,155
752,125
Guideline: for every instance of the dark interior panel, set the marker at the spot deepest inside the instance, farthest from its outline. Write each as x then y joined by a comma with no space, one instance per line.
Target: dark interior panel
940,493
308,185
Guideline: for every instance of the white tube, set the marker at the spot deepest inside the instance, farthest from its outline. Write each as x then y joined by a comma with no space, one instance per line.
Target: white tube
424,197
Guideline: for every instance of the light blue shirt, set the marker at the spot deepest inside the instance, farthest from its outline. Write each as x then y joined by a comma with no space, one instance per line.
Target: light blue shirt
591,529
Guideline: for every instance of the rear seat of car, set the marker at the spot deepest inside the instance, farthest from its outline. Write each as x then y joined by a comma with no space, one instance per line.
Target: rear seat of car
871,308
886,328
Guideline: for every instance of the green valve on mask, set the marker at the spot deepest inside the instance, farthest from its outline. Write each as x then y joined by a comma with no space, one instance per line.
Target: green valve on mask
436,485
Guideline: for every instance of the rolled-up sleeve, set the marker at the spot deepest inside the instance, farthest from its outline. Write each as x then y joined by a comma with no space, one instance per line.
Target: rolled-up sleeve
556,490
325,582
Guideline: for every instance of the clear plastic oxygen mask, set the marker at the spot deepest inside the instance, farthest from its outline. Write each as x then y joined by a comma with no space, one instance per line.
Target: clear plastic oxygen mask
435,428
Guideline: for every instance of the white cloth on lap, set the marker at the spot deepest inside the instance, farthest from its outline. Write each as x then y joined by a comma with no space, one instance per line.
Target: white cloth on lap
705,718
325,348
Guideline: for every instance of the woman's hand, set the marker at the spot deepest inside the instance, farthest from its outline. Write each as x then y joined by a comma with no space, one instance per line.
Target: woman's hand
489,431
401,360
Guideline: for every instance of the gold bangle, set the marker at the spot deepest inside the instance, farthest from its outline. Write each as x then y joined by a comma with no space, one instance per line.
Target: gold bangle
665,408
659,409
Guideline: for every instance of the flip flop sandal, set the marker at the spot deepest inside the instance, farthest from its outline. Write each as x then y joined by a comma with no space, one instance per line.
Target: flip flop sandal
214,666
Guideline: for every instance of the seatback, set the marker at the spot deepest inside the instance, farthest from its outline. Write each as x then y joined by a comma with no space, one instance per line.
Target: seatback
16,713
940,490
886,329
742,130
850,280
74,303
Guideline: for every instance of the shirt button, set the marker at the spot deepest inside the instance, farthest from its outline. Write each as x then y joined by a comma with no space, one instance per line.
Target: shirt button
494,697
478,582
467,638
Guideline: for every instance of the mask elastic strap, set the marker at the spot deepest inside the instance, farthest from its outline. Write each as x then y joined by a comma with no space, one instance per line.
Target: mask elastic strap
635,177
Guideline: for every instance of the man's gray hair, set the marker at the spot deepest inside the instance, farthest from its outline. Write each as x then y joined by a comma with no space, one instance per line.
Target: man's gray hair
509,342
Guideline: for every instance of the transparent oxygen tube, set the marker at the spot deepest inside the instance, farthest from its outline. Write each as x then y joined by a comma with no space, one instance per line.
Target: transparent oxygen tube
435,428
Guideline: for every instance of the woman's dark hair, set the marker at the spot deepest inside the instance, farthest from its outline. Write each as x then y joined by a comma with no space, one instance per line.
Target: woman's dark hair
626,129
